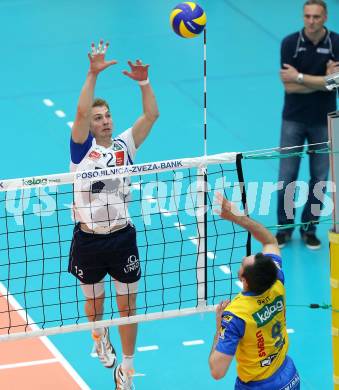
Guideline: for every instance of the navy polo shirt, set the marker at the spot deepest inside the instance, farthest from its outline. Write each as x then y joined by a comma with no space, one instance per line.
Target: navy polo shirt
297,50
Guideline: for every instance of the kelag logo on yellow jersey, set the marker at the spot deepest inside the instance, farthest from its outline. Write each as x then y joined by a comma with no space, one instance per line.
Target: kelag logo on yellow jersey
268,312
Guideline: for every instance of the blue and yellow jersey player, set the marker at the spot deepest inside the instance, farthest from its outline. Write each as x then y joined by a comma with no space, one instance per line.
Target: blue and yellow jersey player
253,325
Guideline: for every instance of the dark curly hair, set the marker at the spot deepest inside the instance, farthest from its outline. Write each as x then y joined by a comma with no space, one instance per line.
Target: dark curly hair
261,275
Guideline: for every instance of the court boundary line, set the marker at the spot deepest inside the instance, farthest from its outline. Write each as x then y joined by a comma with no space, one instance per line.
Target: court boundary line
29,363
48,343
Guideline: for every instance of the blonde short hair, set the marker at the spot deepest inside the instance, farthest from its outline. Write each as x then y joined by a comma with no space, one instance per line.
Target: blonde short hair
98,102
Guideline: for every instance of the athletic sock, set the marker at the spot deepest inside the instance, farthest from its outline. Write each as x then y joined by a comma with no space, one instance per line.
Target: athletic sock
127,362
98,332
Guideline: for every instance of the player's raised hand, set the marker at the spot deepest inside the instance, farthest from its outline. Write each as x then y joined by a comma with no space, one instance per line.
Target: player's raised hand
228,210
97,58
138,72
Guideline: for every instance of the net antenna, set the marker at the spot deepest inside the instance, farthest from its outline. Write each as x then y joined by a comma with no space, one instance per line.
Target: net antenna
205,92
202,201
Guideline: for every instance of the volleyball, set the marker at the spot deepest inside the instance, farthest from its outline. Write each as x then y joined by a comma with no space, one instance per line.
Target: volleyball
188,19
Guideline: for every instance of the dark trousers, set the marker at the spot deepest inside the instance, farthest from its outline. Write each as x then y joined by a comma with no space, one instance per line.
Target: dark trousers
295,134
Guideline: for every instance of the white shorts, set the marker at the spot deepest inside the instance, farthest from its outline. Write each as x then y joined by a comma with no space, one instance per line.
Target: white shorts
97,290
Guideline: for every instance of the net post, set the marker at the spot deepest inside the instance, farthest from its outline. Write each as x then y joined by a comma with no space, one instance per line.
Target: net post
202,236
333,135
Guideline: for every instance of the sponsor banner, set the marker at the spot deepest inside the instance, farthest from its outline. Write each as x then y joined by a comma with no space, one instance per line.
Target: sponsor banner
130,169
269,311
139,169
36,181
40,181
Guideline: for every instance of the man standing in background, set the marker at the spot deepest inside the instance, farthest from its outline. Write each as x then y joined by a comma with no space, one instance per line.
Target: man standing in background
306,58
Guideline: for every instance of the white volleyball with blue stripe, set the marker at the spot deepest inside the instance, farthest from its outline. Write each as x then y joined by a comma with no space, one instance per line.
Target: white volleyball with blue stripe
188,19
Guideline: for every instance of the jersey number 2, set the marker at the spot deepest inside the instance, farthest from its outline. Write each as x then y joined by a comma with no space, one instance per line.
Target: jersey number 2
109,162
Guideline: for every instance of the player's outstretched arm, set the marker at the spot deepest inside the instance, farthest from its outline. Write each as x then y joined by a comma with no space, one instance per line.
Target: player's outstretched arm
229,211
143,125
97,63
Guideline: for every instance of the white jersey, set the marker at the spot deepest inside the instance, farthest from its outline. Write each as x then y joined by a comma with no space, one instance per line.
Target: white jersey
103,204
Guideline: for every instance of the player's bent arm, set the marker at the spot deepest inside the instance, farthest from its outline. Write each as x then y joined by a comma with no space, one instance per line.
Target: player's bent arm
230,212
271,248
263,235
82,120
260,233
219,364
143,125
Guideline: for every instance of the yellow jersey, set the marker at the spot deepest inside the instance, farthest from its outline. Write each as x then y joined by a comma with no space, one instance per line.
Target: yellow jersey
254,327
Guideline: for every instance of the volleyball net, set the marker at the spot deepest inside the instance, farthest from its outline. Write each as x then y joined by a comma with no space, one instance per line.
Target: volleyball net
189,257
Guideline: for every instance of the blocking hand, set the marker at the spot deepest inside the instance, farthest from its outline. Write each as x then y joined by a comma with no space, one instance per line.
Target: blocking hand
139,71
97,58
228,209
